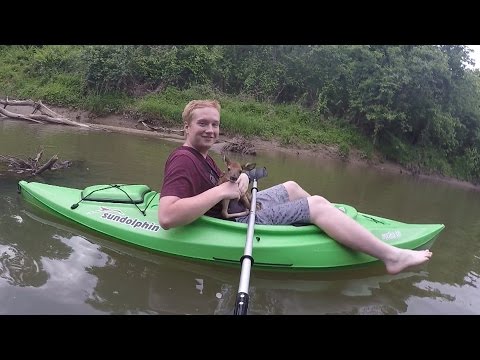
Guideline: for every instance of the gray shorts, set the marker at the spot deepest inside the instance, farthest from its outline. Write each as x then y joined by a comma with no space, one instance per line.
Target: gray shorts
277,209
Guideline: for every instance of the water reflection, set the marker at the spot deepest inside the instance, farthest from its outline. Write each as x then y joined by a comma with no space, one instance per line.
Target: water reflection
448,299
120,279
125,280
357,295
18,269
71,279
17,266
176,286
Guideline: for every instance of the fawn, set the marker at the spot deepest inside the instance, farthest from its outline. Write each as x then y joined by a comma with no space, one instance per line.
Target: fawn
234,169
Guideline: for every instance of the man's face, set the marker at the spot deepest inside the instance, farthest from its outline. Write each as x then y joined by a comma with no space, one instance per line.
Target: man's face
204,128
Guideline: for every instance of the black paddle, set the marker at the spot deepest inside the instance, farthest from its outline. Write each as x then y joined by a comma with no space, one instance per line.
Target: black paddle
241,303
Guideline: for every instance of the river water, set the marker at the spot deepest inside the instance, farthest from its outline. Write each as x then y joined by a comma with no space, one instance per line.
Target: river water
48,266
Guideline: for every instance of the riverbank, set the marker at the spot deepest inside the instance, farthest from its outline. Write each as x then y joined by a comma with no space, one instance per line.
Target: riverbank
126,123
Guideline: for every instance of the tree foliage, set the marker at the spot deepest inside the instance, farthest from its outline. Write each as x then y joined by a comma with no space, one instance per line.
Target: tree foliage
403,97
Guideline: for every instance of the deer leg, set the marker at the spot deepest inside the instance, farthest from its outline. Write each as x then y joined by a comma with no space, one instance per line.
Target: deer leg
225,213
245,213
246,201
225,203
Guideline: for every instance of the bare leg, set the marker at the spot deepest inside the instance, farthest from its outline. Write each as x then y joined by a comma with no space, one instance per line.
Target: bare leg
295,191
349,233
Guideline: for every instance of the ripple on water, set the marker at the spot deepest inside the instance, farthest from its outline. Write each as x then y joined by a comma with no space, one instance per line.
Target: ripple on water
17,268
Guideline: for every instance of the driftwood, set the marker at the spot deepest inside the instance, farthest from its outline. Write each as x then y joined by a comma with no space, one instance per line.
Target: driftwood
46,114
240,145
33,166
49,116
159,128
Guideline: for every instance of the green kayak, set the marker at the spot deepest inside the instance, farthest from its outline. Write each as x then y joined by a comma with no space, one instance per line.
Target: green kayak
130,213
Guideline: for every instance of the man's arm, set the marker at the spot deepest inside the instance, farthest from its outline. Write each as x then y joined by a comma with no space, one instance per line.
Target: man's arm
174,211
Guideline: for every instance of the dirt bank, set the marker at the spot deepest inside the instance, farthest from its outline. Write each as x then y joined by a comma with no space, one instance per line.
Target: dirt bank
127,124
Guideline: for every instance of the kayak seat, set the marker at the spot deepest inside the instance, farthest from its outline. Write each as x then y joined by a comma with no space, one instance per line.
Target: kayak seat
116,193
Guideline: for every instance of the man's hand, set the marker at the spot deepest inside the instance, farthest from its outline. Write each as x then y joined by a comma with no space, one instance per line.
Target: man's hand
242,182
229,190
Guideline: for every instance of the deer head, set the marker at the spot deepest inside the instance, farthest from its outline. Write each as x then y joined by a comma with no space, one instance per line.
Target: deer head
234,169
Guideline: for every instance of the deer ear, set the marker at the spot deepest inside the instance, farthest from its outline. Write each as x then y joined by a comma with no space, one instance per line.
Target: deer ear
226,159
249,166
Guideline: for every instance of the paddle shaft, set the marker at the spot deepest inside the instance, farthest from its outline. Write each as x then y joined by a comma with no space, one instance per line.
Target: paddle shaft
241,304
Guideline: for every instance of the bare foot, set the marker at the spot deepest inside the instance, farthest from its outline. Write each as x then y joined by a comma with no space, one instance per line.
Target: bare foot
407,258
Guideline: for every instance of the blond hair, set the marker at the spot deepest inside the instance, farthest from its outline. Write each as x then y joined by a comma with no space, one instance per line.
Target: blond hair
197,104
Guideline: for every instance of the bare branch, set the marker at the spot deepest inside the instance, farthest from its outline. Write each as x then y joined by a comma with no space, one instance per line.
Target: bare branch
31,165
47,165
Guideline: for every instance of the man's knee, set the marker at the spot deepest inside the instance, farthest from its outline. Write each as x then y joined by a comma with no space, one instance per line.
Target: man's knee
317,200
318,205
291,186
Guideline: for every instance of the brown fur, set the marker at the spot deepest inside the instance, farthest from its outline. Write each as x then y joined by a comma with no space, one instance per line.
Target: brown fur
234,169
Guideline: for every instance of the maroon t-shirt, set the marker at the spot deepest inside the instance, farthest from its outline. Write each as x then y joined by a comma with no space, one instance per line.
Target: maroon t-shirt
187,173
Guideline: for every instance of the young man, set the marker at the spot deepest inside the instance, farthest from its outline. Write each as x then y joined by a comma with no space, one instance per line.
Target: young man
189,191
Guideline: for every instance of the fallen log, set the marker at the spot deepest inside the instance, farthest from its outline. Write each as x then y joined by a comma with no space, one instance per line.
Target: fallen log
33,166
46,114
12,115
159,128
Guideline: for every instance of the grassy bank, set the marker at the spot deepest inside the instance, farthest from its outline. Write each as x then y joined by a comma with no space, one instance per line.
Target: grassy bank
25,77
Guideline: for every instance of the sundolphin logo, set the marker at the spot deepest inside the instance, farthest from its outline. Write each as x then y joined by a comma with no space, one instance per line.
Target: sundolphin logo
135,223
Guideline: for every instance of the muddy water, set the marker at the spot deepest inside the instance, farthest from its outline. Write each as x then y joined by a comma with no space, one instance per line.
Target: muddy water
48,266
